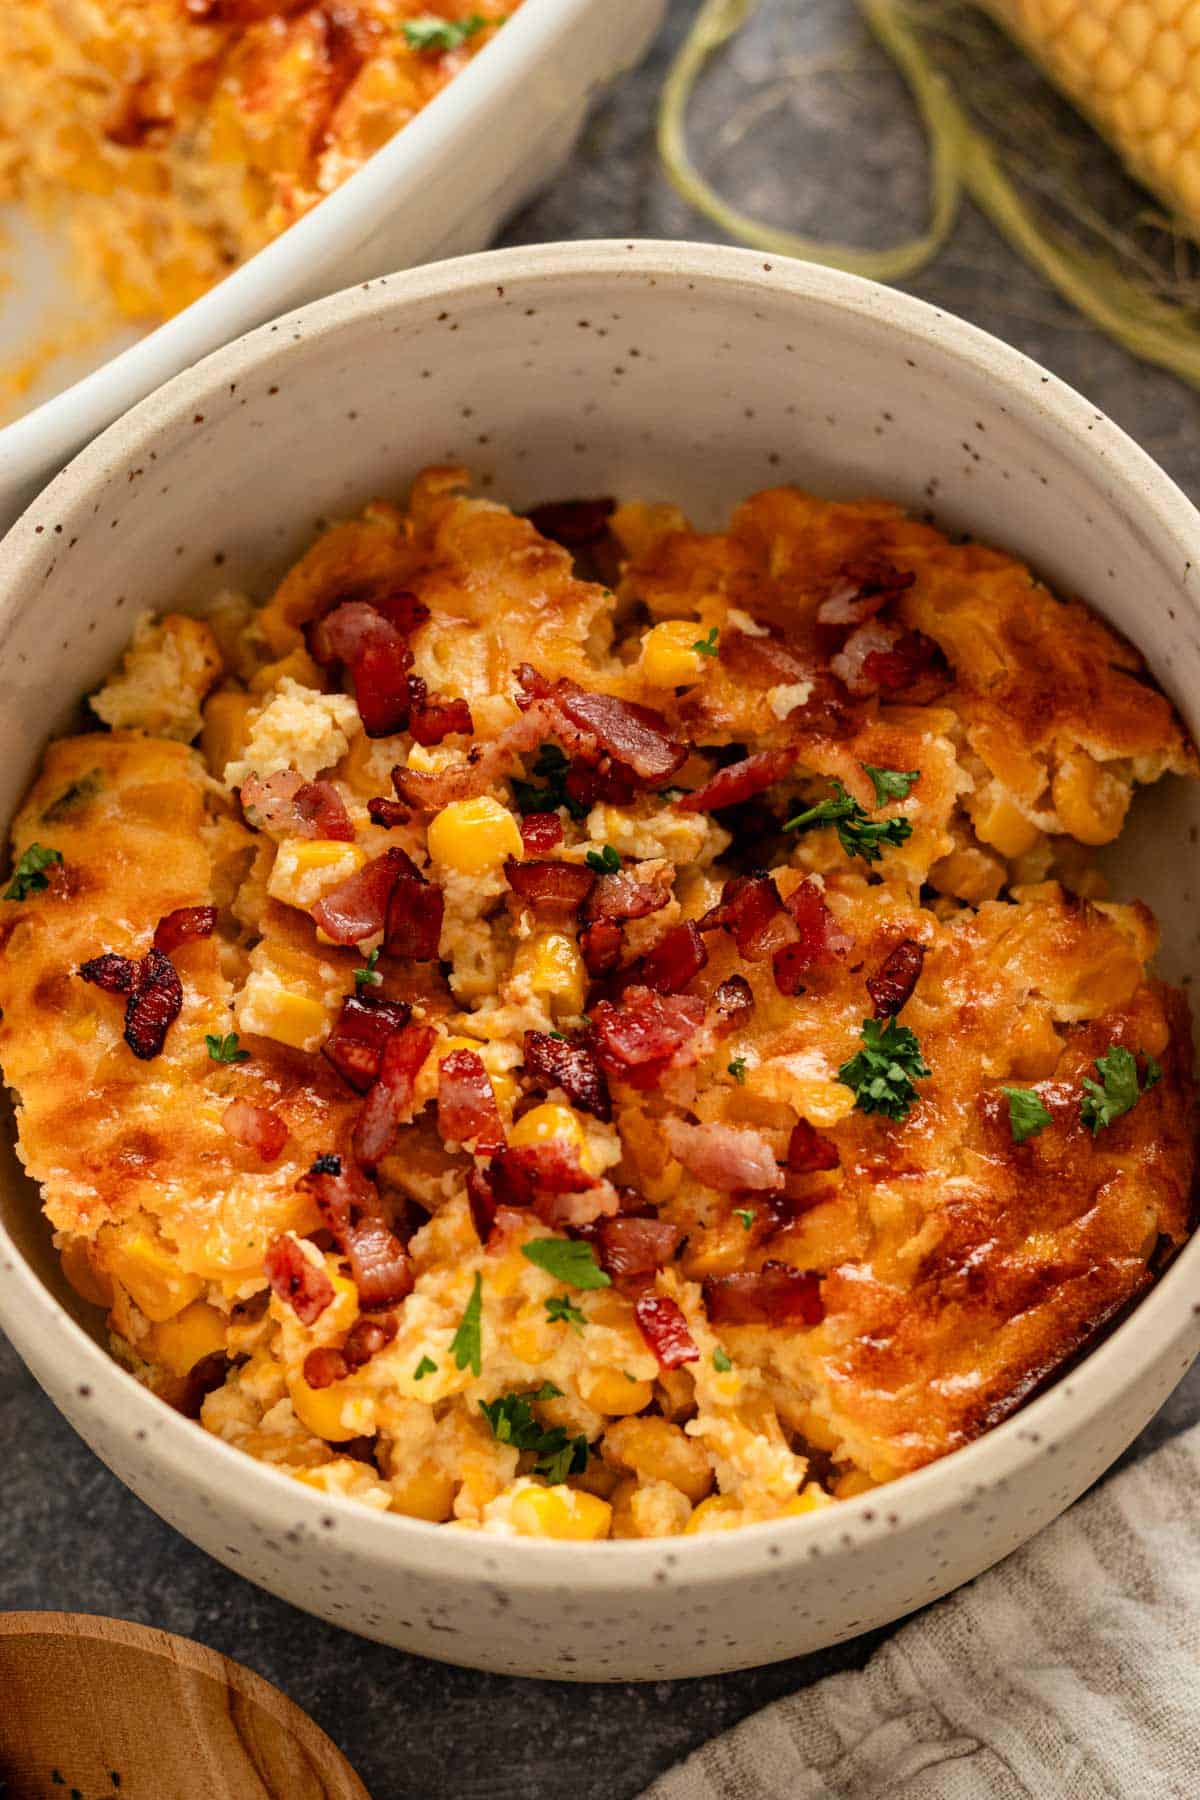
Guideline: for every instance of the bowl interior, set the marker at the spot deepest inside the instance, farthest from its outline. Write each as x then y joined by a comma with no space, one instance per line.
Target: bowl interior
665,372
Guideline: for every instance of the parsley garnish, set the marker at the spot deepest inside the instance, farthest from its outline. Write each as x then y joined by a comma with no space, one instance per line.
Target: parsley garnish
721,1362
707,646
1101,1106
891,784
466,1346
225,1049
1026,1114
859,835
27,876
512,1422
605,862
425,1367
568,1260
562,1310
745,1214
367,976
883,1071
431,33
737,1068
553,768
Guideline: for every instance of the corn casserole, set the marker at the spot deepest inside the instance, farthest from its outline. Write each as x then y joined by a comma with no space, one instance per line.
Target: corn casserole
574,1026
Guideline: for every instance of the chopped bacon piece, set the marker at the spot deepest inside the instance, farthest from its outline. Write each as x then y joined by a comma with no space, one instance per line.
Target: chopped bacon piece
809,1151
820,940
388,813
185,922
751,910
414,916
485,764
482,1201
733,1002
647,1032
739,781
762,658
357,908
286,803
256,1127
584,786
635,736
154,996
431,720
723,1156
323,811
566,1063
380,677
573,523
549,885
350,1207
547,1176
624,896
862,589
364,1025
892,986
911,659
665,1329
631,1246
347,630
789,965
600,946
240,12
466,1104
365,1339
541,832
401,608
776,1294
304,1285
678,956
325,1365
389,1101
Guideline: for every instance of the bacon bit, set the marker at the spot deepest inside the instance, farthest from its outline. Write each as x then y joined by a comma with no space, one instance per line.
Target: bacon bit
586,786
892,986
665,1330
185,922
821,939
740,781
256,1127
645,1034
351,1209
520,1174
305,1286
573,523
154,996
357,908
325,1365
321,808
414,916
751,910
286,803
482,1202
549,885
910,660
676,959
600,946
380,677
570,1065
733,1002
623,896
764,660
863,588
809,1151
365,1339
776,1294
432,720
466,1104
599,725
401,608
789,965
723,1156
355,1046
389,1101
485,764
241,12
541,832
347,630
388,813
630,1246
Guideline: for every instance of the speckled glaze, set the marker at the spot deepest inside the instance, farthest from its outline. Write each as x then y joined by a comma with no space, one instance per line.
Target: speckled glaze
667,371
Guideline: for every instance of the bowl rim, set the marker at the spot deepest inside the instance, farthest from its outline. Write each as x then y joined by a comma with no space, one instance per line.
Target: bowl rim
1158,1325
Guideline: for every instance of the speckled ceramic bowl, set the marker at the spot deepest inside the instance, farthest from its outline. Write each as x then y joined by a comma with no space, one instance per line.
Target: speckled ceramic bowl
667,371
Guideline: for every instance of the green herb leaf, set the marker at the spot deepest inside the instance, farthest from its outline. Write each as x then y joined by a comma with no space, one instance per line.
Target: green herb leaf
883,1071
466,1346
428,32
553,767
1102,1106
367,976
568,1260
707,645
27,876
737,1068
512,1421
425,1367
562,1310
571,1458
1026,1114
858,834
225,1049
721,1362
745,1214
605,862
891,784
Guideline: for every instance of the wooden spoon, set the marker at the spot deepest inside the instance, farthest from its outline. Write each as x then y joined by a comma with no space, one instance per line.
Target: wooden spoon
98,1709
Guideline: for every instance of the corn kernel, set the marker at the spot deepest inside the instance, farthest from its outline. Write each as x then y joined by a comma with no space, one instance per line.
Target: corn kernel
473,836
526,1337
551,963
668,657
813,1499
609,1391
426,1494
718,1513
265,1008
307,868
180,1343
151,1276
560,1512
320,1409
549,1121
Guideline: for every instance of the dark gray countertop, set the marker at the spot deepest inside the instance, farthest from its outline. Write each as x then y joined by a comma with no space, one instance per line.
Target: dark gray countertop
70,1535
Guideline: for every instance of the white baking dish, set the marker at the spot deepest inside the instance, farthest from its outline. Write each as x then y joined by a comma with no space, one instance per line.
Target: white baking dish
442,186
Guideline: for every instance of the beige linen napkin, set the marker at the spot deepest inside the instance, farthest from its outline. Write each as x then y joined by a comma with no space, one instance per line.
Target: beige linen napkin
1069,1672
